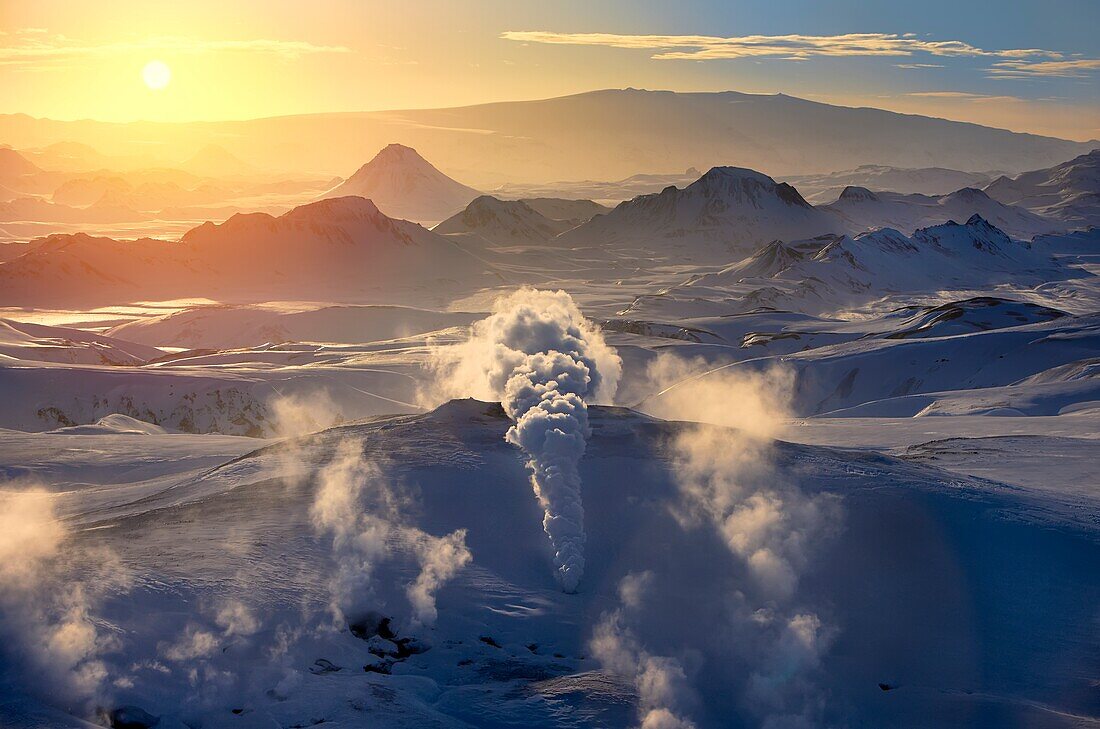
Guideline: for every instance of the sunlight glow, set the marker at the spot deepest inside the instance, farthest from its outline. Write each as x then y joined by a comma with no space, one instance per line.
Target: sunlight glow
156,75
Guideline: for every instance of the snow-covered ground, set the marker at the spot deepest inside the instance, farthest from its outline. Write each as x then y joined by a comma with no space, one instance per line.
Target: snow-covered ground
924,595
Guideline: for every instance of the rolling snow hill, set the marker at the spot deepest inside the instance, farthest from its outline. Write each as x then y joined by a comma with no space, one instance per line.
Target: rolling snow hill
41,343
849,272
233,327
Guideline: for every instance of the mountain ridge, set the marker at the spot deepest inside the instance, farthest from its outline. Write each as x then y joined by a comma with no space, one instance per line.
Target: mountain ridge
625,131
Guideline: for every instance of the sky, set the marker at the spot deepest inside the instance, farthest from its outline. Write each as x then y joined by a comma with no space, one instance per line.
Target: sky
1023,65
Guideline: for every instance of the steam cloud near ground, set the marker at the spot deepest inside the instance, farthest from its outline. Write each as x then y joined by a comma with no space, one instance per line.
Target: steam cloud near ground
728,479
301,413
358,508
49,595
545,362
664,693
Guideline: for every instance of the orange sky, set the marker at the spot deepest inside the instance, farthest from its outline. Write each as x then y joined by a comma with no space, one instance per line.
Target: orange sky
235,60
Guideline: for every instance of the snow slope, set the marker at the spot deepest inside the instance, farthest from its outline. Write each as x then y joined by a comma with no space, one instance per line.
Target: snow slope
927,602
840,376
1069,191
29,341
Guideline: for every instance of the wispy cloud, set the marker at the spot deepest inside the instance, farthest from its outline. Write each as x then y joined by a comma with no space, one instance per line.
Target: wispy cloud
792,47
1016,63
946,94
962,96
34,47
1069,68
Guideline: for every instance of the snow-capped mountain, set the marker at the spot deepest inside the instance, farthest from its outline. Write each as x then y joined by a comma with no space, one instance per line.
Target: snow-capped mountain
944,256
345,245
867,210
1069,192
832,273
405,185
726,212
503,222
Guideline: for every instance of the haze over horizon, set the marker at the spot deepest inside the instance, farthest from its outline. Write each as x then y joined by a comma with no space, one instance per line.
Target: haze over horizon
226,61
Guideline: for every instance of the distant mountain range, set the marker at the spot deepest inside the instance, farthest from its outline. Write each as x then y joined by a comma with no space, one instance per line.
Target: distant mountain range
733,217
826,188
865,210
599,135
729,212
343,247
840,271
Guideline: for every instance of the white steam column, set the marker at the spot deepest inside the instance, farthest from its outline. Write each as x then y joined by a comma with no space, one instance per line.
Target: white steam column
545,362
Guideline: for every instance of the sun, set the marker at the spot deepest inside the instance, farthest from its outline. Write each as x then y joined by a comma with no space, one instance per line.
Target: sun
156,74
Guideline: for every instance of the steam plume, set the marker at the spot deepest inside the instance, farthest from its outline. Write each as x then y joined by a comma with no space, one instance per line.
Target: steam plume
440,559
48,597
545,362
660,681
727,477
355,505
358,537
301,413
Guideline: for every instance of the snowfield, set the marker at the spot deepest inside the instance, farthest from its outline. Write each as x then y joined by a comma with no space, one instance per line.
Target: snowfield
937,585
